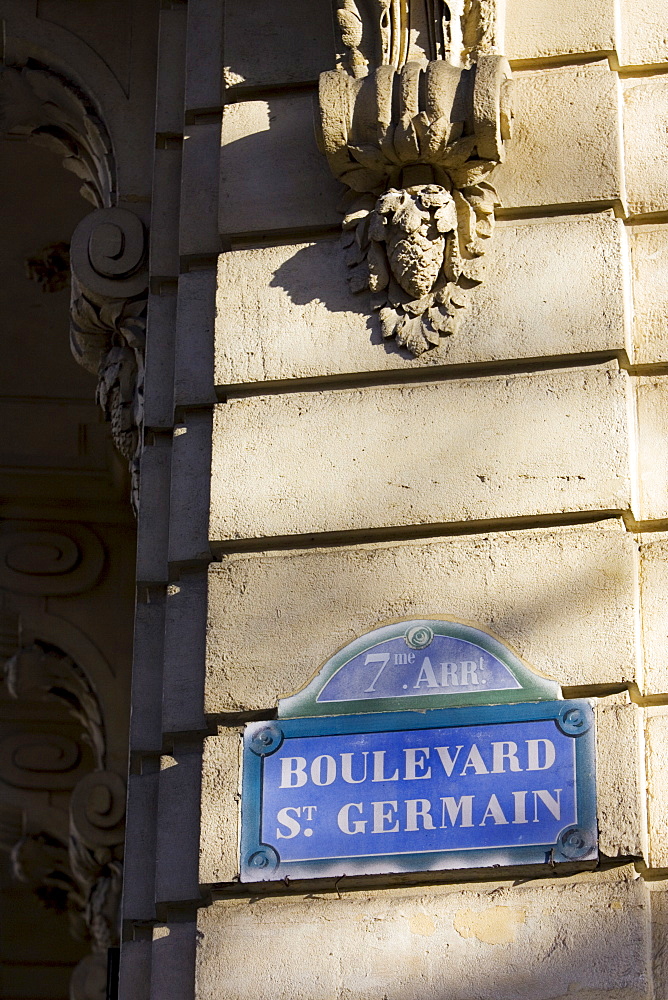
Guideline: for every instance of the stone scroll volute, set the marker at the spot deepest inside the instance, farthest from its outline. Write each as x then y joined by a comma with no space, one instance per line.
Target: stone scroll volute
108,319
413,122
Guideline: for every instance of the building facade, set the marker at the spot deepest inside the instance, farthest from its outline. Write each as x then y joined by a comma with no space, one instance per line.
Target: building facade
369,301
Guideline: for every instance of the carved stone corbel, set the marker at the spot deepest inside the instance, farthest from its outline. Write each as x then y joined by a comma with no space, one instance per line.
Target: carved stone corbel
413,122
77,868
108,249
108,320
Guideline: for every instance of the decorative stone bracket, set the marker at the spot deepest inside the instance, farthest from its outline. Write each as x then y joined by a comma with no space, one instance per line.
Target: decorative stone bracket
108,320
107,253
76,867
415,139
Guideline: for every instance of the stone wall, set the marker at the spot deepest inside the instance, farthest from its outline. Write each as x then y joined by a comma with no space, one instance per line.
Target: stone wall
305,479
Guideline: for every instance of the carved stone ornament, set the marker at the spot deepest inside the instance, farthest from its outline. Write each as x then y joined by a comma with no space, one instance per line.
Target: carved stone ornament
108,249
47,561
74,863
40,105
413,122
108,320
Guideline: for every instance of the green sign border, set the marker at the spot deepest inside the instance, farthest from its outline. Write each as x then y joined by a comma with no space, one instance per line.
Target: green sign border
533,686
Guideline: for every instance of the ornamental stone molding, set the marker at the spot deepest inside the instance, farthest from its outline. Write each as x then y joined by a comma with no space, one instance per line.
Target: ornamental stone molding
413,122
39,105
48,561
107,256
63,828
108,320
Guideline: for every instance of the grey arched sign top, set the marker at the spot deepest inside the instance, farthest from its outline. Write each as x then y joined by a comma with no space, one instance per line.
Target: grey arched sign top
419,664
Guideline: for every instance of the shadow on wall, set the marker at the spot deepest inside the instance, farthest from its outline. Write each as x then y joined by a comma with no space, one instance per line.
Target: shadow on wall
318,272
562,597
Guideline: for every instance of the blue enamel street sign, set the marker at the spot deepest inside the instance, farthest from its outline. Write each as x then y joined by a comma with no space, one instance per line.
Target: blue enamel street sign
387,789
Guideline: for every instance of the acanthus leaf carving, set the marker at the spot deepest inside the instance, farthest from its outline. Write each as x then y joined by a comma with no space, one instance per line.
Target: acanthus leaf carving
78,869
39,105
97,813
415,139
42,671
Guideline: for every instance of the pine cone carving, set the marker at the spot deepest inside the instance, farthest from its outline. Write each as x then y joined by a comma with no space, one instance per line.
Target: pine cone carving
413,224
415,259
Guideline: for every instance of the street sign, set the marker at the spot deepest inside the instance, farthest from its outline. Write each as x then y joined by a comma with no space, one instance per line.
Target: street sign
387,790
419,664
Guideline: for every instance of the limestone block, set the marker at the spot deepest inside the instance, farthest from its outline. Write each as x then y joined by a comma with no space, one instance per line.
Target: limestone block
203,50
458,450
649,254
177,821
195,317
568,609
199,189
164,243
565,145
171,59
146,717
659,905
270,43
539,28
189,500
159,372
135,972
183,668
550,287
173,960
652,395
273,176
494,942
644,33
219,836
656,735
646,143
620,778
139,867
153,517
654,617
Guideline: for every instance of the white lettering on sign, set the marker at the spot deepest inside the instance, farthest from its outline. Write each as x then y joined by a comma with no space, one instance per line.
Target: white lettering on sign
413,815
347,768
461,674
379,768
553,803
381,658
289,820
549,754
416,764
343,819
293,767
383,814
503,756
323,770
453,807
431,676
